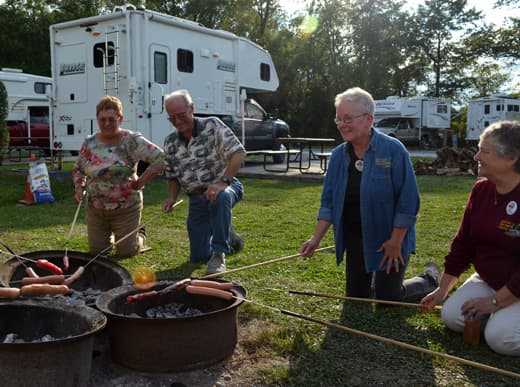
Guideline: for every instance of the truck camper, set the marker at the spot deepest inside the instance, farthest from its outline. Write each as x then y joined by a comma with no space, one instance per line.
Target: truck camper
417,120
139,56
28,109
484,111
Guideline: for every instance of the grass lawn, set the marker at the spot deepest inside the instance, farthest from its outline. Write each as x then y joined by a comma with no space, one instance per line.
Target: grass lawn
274,218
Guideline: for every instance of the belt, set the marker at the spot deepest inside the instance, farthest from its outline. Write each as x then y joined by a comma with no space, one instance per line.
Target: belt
196,192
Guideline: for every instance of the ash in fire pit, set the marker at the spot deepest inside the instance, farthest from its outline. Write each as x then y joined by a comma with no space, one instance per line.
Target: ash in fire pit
13,338
173,310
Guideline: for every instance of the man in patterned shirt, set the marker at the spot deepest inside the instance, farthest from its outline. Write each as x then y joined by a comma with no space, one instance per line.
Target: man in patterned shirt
203,156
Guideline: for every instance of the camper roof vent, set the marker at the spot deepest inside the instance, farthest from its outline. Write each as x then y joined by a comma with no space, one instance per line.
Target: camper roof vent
125,7
392,97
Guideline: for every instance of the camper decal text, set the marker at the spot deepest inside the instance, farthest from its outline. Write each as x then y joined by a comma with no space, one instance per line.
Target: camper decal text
72,68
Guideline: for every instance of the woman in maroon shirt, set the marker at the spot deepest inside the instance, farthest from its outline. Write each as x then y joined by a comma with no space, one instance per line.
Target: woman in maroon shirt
489,239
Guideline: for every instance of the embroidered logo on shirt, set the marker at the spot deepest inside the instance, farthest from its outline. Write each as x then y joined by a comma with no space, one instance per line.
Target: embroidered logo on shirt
511,207
384,163
511,229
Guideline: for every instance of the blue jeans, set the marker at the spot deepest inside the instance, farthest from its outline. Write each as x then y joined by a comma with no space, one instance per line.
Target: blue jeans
208,222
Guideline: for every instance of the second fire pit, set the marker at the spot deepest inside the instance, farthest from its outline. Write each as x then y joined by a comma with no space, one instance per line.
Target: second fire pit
170,344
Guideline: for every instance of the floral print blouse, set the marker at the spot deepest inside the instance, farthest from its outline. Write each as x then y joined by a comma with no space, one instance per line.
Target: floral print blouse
108,171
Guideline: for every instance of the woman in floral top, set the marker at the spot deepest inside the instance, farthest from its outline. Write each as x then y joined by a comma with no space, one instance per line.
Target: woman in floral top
106,169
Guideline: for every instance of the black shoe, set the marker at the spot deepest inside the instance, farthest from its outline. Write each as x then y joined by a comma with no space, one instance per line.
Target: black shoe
236,243
433,271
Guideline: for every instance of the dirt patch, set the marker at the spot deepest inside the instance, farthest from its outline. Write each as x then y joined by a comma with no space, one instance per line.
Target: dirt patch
243,368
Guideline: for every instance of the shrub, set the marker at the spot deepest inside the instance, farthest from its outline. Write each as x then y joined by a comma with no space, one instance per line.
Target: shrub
4,133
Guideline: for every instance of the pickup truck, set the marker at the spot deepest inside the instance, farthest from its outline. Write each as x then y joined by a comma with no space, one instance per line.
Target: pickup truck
261,129
38,135
408,132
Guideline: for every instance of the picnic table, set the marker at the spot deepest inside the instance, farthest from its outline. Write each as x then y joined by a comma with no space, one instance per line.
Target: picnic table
307,145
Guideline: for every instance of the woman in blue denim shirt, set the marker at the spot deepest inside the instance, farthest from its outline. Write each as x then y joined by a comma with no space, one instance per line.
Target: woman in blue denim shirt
371,198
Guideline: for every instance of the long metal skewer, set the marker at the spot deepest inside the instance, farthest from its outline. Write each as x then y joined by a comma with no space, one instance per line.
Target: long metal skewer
347,298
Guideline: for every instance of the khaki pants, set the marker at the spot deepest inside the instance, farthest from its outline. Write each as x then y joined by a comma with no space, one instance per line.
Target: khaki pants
103,224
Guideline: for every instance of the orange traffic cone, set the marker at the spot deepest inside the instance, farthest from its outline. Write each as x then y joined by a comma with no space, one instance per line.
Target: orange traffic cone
28,198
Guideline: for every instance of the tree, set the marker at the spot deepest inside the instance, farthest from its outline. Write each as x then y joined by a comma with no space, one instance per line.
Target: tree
4,133
435,25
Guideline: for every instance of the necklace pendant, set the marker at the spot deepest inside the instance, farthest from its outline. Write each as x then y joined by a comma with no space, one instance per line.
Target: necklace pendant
359,165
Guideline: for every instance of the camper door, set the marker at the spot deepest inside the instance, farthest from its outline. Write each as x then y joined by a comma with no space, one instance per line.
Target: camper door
160,81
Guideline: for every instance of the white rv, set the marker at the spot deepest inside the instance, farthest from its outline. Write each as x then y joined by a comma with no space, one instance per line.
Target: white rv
420,120
139,56
484,111
28,108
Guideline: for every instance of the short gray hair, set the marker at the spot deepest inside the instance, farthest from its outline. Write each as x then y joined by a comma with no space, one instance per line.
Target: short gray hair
185,94
357,95
504,137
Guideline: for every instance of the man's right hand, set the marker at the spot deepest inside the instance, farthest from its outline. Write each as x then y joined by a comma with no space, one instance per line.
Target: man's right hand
168,204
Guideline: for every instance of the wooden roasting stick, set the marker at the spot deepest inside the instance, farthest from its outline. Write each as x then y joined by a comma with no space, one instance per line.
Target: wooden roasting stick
389,341
215,275
346,298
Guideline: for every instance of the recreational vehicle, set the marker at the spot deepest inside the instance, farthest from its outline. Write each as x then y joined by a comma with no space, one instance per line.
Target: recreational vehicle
28,108
482,112
417,120
139,56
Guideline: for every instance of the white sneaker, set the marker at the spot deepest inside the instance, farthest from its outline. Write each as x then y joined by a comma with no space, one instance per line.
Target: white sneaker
434,271
216,264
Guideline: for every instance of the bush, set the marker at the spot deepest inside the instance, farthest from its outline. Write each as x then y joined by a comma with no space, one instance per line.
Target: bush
4,133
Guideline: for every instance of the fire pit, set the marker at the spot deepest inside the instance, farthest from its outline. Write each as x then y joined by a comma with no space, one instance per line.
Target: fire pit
101,274
170,344
65,360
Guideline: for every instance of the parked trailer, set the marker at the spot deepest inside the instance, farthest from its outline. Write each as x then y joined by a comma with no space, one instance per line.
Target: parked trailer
419,120
28,108
139,56
484,111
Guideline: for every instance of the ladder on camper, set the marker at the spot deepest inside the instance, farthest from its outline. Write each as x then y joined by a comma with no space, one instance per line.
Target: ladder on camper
111,62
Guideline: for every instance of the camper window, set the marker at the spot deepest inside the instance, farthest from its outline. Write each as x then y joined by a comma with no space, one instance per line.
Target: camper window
442,109
265,72
102,50
39,87
185,60
486,109
160,66
513,108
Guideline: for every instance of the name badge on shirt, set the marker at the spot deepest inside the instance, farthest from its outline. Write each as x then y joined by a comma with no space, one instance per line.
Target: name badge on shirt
511,207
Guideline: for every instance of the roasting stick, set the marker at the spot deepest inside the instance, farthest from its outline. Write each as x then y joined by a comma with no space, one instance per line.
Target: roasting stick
108,248
72,227
259,264
387,340
346,298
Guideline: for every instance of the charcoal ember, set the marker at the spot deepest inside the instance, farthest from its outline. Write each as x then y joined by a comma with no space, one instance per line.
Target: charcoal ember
10,338
76,297
173,310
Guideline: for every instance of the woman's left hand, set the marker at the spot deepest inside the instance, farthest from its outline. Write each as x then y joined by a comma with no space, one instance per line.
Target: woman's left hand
392,256
478,307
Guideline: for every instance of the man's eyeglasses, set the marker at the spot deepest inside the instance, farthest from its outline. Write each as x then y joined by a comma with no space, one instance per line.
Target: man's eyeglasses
347,119
110,120
178,116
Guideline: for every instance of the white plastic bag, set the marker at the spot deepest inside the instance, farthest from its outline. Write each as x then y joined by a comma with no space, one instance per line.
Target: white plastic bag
40,183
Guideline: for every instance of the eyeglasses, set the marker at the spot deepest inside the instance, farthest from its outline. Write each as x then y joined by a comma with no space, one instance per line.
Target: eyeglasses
110,120
178,116
347,119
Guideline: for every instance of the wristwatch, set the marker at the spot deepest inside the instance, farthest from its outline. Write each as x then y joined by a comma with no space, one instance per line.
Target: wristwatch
226,180
495,302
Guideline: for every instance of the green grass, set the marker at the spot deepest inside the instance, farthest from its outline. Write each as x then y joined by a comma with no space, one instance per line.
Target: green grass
274,218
